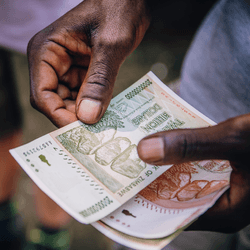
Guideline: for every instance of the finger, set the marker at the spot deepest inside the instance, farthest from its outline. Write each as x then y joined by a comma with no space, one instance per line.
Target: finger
53,64
70,105
63,92
60,112
45,98
74,77
97,88
228,140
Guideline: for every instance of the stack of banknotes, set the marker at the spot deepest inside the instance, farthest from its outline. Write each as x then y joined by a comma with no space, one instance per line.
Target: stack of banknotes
94,173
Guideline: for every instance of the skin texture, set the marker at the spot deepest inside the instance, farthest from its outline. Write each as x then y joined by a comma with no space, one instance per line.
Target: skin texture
229,140
74,61
73,66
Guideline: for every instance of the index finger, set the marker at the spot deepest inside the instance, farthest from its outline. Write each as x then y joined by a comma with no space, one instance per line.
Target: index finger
46,100
49,64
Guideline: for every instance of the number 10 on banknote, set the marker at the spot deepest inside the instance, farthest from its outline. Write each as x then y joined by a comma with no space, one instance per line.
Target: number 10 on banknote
91,170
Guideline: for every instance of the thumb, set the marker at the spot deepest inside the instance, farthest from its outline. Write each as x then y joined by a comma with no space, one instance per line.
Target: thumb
228,140
96,91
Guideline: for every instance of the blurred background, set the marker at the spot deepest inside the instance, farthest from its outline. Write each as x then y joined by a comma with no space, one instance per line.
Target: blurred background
162,51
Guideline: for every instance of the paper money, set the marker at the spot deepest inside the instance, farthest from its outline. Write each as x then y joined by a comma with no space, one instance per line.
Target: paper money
162,210
134,242
172,201
91,170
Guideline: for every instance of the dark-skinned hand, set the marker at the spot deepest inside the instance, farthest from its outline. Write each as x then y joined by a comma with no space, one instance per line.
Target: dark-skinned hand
73,66
229,140
74,62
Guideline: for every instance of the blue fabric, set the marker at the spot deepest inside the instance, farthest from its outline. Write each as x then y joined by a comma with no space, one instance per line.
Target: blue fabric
216,81
216,72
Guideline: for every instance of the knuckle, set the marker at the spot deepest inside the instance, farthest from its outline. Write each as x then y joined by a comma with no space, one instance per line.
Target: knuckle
182,144
36,102
239,127
186,145
31,41
102,74
40,38
33,102
119,40
101,82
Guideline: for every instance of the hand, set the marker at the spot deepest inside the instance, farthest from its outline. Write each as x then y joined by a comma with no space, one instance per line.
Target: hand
229,140
74,61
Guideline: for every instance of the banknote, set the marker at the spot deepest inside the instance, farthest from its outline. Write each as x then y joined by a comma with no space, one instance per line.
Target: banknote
162,210
91,170
134,242
172,201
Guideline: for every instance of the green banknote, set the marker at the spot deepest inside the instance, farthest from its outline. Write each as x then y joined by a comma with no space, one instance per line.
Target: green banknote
92,170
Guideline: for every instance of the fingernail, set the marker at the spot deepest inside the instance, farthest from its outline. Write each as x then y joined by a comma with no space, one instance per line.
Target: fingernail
151,150
89,110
